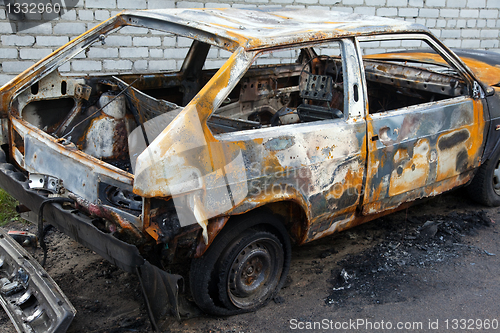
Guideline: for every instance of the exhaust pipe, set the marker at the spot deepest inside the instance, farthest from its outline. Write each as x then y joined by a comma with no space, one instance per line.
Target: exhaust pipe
22,209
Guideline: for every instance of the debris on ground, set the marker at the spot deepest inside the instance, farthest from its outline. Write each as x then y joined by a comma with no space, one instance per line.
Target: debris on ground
378,272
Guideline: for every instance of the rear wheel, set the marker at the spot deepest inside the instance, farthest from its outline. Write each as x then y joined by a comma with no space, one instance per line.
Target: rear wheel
243,269
485,187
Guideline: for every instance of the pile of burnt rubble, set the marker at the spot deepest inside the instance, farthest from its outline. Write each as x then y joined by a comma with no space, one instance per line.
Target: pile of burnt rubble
419,242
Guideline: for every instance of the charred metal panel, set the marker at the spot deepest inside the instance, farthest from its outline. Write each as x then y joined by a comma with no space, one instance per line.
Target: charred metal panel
318,165
416,148
80,174
184,160
182,150
488,74
78,178
484,64
107,134
260,28
48,88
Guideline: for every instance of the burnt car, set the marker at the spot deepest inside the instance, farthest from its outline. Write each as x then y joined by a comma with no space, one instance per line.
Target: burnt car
316,122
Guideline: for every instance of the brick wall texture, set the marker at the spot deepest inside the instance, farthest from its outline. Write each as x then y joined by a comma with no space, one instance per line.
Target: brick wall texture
468,24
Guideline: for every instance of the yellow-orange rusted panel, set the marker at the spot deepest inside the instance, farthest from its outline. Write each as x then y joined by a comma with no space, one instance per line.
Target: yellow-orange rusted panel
154,231
187,143
214,227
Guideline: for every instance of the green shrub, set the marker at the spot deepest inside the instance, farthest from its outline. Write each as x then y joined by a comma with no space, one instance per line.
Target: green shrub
7,208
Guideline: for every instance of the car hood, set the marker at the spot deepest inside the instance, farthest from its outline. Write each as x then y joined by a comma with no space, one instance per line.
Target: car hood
484,64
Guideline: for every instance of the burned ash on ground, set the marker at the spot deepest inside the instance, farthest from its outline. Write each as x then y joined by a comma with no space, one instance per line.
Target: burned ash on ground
389,271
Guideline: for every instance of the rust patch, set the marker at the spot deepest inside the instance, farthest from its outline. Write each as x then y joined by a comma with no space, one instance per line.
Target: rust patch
120,142
213,229
101,211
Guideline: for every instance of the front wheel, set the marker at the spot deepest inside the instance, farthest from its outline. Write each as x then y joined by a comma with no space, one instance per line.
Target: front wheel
243,269
485,187
251,270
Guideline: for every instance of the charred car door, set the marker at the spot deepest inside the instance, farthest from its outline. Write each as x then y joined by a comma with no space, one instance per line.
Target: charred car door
425,125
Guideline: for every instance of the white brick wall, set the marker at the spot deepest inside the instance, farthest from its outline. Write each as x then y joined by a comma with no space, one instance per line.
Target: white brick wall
459,23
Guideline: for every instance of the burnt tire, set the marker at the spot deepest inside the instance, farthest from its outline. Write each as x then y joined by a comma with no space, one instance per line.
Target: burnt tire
485,187
244,268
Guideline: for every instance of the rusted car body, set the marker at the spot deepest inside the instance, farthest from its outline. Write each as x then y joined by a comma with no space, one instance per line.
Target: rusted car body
229,167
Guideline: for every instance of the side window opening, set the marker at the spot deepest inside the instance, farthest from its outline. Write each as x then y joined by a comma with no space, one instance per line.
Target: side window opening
321,89
285,87
407,72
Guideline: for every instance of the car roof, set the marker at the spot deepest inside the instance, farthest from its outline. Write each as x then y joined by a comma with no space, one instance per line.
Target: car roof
266,28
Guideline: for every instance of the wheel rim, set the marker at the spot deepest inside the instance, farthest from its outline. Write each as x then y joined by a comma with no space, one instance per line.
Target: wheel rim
496,178
255,273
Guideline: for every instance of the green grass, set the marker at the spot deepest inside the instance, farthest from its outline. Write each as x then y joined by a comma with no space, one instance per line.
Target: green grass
7,208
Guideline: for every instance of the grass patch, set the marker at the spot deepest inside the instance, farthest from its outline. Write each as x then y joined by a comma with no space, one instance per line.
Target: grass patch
7,208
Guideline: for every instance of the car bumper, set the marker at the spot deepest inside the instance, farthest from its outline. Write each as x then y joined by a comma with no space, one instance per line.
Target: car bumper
160,288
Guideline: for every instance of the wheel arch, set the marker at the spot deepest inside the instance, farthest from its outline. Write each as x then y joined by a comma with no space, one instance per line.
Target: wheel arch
291,216
204,273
